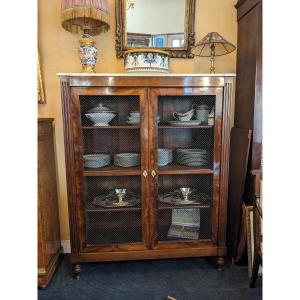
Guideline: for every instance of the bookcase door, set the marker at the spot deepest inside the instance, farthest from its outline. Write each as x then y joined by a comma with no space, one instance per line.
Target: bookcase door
111,154
185,161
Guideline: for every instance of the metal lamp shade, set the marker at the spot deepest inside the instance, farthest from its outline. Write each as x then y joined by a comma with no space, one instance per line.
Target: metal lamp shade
79,14
221,46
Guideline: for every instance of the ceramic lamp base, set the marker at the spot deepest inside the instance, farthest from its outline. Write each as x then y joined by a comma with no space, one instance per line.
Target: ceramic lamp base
87,53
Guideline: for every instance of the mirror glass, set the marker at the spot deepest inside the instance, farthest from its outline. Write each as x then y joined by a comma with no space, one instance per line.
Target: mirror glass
155,23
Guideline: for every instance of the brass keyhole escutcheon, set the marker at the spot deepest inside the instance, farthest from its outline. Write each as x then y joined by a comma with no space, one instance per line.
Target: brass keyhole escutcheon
153,173
145,173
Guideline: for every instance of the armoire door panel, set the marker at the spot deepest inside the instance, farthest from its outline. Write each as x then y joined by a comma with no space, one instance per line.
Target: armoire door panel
106,221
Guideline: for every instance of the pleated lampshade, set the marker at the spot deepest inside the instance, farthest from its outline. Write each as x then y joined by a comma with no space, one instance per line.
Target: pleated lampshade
221,46
79,14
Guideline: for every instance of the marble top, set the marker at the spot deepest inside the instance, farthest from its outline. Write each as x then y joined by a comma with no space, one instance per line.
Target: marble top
146,74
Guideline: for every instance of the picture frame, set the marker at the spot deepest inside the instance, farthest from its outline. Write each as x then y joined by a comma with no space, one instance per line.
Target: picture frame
40,87
250,239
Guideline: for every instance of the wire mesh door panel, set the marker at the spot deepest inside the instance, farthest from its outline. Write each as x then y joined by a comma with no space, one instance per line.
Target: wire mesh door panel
114,153
186,155
184,207
106,221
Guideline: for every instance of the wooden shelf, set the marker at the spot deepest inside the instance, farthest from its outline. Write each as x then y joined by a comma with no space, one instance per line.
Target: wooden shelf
163,206
94,208
179,169
187,127
112,171
112,127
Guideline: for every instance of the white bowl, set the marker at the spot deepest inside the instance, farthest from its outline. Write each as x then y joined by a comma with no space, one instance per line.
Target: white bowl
146,61
130,118
135,113
101,118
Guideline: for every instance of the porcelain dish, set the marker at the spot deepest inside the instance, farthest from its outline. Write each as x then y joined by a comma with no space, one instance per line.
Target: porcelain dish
127,160
100,108
164,156
192,157
100,118
96,160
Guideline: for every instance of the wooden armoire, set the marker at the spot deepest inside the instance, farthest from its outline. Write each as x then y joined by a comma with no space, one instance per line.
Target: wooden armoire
49,245
248,106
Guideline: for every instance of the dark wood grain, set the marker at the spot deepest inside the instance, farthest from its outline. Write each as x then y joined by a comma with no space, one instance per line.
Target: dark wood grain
248,98
49,246
227,98
240,145
112,171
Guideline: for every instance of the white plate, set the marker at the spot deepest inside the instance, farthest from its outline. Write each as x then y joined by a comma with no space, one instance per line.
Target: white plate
185,123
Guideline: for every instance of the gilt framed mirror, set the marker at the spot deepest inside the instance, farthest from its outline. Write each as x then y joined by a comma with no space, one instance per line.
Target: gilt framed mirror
157,24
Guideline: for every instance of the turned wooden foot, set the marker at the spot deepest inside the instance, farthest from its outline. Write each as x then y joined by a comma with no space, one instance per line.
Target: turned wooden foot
42,287
220,263
76,271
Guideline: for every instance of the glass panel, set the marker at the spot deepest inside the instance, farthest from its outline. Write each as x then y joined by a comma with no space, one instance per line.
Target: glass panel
111,145
184,214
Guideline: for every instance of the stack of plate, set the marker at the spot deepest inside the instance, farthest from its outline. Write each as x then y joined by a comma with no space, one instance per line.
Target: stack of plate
134,118
192,157
185,123
164,157
96,160
127,160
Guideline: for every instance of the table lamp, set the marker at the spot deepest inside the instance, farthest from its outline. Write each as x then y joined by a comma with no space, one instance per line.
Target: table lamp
90,17
212,45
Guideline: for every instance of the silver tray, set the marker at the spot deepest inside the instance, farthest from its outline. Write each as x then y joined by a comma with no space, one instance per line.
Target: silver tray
111,200
175,198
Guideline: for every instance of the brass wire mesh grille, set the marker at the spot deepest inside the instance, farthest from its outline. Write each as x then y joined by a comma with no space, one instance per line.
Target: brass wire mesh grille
198,214
167,105
196,137
112,225
122,105
185,222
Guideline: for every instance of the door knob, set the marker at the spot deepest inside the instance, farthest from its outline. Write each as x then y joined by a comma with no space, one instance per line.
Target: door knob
145,173
153,173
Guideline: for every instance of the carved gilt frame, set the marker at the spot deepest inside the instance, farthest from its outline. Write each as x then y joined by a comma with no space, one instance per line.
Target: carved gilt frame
40,87
184,52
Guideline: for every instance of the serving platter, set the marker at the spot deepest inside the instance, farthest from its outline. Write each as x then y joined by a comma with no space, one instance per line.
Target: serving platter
111,200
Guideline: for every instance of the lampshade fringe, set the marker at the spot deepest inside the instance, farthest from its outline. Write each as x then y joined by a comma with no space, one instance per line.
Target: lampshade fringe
79,12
